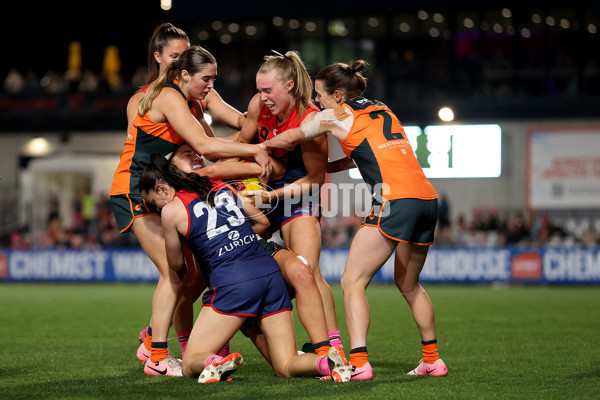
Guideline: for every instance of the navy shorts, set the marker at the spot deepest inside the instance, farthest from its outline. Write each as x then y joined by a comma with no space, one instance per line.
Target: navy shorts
405,220
283,213
257,298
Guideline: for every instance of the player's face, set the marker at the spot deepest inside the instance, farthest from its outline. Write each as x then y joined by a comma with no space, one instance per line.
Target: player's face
276,94
186,159
202,82
323,98
159,197
170,52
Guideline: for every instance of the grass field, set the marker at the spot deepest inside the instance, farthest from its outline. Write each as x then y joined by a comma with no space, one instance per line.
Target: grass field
79,341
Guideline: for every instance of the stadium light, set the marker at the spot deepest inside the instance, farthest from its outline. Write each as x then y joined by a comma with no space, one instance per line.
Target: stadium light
446,114
166,4
38,147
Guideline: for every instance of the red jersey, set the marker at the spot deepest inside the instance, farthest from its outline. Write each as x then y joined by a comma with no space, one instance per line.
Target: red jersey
291,158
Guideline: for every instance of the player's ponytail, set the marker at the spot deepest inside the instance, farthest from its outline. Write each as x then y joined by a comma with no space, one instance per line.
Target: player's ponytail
160,39
345,77
156,87
160,170
291,67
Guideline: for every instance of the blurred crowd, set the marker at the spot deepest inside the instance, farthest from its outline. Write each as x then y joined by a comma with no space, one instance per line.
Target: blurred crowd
394,75
93,227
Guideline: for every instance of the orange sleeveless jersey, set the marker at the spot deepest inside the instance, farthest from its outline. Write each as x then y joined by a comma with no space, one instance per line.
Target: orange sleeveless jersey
144,138
379,147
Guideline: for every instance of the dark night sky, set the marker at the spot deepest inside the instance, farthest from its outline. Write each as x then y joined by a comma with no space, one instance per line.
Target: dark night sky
40,40
37,34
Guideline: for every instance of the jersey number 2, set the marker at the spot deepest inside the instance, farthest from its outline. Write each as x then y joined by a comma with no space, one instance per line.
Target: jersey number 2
221,199
387,124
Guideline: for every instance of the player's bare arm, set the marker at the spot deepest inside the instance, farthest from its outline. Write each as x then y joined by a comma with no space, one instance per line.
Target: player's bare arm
171,216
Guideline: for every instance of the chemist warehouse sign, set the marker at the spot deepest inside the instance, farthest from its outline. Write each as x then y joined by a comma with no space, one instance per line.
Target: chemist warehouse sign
459,265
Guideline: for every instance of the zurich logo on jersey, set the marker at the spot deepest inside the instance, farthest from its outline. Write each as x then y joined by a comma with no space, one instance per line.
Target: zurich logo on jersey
236,241
233,235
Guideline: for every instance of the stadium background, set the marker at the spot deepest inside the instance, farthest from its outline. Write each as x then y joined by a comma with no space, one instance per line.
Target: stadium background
529,67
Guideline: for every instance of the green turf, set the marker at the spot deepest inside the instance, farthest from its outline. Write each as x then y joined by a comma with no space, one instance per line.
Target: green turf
79,341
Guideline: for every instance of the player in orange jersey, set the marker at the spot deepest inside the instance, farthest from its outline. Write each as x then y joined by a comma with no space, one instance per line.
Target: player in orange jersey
284,102
166,119
403,214
166,44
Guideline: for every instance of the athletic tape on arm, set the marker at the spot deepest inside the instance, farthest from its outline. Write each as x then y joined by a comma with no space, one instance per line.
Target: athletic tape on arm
312,129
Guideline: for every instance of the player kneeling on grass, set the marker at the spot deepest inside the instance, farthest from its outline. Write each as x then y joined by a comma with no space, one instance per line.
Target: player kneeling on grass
296,272
243,279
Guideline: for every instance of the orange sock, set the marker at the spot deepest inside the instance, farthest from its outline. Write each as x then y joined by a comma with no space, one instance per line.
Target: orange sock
359,356
322,348
430,351
159,351
148,341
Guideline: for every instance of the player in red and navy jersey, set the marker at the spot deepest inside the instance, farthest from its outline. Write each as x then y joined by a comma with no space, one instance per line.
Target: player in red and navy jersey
284,102
244,280
165,120
295,269
404,212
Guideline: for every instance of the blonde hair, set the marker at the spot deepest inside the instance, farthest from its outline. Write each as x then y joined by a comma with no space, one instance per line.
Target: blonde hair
291,67
192,60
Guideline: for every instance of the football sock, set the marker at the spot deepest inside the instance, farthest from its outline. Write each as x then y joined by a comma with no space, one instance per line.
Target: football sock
213,359
183,338
323,365
321,348
224,351
335,339
159,351
359,356
430,351
148,340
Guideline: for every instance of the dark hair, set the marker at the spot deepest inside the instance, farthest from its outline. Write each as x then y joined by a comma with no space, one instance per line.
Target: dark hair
161,170
345,77
192,60
161,37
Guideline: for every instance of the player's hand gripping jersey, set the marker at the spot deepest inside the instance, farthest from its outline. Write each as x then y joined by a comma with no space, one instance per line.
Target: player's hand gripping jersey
376,142
291,158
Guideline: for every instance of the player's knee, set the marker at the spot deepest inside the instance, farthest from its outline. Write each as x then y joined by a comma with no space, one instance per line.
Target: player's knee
282,369
186,368
283,373
301,273
346,283
412,294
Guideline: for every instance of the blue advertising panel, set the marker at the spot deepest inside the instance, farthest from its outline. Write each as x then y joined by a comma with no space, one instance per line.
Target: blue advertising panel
445,265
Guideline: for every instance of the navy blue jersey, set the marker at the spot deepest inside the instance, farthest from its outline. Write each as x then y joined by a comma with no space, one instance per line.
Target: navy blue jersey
223,241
